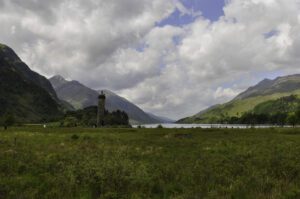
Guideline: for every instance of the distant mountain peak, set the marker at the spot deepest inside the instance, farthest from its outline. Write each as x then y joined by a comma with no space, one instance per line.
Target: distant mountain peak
58,77
57,81
81,96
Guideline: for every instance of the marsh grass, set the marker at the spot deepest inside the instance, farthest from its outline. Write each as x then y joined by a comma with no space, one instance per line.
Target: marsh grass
149,163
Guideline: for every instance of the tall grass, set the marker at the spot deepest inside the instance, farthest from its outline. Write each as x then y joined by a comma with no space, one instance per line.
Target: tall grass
149,163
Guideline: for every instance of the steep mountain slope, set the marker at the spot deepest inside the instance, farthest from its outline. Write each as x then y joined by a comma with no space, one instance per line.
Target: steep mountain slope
10,56
80,96
262,92
58,81
24,93
161,119
73,92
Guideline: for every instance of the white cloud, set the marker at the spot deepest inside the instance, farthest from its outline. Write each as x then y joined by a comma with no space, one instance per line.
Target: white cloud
172,71
186,11
226,93
213,54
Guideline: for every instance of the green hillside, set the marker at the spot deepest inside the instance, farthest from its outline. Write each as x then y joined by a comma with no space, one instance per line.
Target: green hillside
287,104
23,93
264,91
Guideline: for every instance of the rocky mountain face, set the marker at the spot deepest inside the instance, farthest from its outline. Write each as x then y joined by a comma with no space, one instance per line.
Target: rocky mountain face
265,91
24,93
80,96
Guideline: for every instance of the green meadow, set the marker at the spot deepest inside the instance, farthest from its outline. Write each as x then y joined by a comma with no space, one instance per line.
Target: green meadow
149,163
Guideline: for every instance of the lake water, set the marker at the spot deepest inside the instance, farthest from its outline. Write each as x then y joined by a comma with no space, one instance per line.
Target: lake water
207,126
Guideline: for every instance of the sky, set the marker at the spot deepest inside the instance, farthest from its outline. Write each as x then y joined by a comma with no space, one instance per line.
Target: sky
173,58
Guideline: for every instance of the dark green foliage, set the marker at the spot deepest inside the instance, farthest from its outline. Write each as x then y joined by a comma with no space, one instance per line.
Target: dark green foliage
285,110
281,105
74,137
24,93
297,112
88,116
7,120
70,122
159,126
116,118
149,163
292,119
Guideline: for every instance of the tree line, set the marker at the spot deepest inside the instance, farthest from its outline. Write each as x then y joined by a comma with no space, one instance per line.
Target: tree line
282,111
88,117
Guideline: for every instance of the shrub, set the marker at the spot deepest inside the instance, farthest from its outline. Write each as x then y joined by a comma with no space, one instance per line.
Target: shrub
8,120
74,137
70,122
159,126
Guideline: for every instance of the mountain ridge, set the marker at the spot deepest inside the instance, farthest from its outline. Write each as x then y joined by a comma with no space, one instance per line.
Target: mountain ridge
267,86
24,93
246,101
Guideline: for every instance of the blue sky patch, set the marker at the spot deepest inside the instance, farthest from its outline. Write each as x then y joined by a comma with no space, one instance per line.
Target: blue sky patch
210,9
141,47
271,34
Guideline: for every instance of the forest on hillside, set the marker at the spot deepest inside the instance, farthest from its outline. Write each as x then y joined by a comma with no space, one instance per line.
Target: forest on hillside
283,111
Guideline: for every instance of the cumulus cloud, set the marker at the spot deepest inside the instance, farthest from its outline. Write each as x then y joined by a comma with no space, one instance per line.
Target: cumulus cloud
233,49
172,71
76,37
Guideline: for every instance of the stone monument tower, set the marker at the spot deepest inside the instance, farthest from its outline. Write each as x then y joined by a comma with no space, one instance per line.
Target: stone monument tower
101,109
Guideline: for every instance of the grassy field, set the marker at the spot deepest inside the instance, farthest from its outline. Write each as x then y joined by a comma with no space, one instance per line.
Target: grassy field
149,163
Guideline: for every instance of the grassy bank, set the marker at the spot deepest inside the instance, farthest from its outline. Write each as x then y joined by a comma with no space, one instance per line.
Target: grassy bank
149,163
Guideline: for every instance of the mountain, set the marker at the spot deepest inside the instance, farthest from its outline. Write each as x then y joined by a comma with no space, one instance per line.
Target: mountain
57,81
24,93
161,119
136,115
80,96
73,92
264,91
268,87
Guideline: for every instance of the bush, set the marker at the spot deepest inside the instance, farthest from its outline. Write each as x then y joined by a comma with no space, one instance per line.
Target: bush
74,137
70,122
159,126
292,119
8,120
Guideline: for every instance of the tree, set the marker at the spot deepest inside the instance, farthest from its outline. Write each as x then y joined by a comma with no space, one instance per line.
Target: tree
70,122
159,126
279,118
8,120
298,114
292,119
